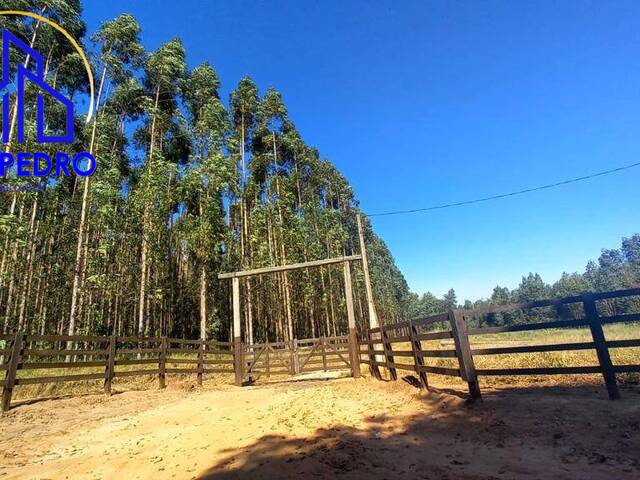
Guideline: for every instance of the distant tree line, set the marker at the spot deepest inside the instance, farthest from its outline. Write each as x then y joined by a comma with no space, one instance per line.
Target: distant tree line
615,269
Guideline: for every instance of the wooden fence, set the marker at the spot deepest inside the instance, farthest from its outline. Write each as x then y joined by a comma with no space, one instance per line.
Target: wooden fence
377,344
25,357
297,356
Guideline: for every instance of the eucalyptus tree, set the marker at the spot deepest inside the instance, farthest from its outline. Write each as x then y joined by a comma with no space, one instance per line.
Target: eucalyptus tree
120,50
163,71
208,176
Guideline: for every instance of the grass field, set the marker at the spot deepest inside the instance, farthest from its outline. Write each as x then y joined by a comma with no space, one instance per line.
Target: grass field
577,358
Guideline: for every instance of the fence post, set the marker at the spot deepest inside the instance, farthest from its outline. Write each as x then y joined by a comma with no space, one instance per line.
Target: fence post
12,370
292,367
463,352
416,348
296,358
600,342
267,360
388,354
162,363
111,362
200,361
373,365
324,353
238,359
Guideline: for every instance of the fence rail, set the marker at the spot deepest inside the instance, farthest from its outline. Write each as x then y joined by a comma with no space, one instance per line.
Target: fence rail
381,353
45,354
297,356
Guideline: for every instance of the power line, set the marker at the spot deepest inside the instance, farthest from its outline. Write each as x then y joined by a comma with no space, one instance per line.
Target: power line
504,195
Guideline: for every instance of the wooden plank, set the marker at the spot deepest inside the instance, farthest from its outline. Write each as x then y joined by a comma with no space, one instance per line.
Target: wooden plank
125,351
630,317
238,347
556,347
136,361
10,378
110,365
285,268
423,322
434,335
529,327
629,292
72,338
403,366
53,365
218,370
59,379
183,341
388,353
539,371
351,321
440,353
324,353
28,352
402,353
306,359
609,375
416,350
623,343
463,351
162,364
399,339
371,352
626,368
452,372
136,373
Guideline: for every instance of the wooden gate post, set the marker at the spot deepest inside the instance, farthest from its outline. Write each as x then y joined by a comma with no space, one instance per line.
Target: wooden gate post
351,317
463,352
296,357
323,349
12,370
600,342
162,363
292,366
418,360
238,348
111,361
200,361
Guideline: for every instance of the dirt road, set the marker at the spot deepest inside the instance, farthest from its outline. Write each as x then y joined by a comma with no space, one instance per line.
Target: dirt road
325,429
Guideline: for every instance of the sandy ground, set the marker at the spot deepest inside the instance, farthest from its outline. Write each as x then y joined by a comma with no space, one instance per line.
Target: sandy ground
340,428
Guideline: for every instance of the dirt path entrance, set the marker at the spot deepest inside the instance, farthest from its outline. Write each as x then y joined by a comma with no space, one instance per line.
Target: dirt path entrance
325,429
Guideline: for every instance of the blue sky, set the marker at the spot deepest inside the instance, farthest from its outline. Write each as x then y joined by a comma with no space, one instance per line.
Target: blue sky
423,103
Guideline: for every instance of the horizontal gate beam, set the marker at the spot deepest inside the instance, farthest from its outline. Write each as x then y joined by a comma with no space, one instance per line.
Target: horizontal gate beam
293,266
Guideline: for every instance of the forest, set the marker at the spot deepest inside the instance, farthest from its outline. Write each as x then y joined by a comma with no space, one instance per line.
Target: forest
189,185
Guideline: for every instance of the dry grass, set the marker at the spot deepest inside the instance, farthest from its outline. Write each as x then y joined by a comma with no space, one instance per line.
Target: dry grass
577,358
620,356
142,382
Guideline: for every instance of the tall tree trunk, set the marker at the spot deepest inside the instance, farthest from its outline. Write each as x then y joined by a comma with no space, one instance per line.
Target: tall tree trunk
78,269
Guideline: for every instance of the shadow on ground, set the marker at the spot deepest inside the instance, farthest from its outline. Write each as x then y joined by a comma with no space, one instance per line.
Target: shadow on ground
544,432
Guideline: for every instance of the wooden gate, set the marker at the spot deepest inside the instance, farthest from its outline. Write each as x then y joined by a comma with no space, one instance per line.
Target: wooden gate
299,356
331,353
